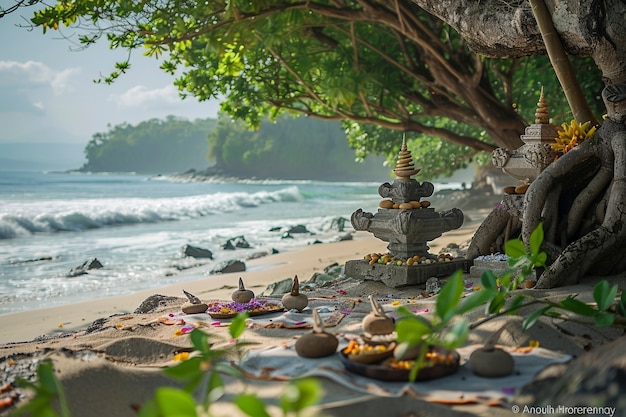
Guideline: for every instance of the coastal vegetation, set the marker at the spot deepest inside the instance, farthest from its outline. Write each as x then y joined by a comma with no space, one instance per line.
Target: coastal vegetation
152,146
282,149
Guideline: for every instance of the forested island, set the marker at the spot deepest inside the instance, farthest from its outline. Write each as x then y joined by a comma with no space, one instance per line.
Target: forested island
290,148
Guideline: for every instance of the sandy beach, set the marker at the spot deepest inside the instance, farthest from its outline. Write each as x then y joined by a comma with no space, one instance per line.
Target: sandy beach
109,358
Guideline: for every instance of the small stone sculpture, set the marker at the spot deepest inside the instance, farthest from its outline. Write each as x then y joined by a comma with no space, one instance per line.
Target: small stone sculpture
490,361
242,295
294,300
377,322
405,167
193,305
318,343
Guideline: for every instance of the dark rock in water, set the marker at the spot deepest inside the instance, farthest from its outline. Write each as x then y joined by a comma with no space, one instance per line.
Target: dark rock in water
27,261
276,229
196,252
257,255
286,235
228,267
298,229
153,302
86,266
339,222
236,242
347,236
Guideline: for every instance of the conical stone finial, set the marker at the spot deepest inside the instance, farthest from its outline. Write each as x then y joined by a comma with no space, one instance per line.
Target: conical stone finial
542,115
405,167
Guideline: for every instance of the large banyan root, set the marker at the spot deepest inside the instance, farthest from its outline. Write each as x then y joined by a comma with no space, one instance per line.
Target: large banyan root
581,201
586,224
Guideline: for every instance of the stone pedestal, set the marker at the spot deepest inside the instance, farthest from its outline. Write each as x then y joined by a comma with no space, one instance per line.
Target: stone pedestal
407,231
399,276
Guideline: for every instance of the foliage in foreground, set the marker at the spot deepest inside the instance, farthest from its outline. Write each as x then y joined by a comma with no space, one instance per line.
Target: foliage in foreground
201,373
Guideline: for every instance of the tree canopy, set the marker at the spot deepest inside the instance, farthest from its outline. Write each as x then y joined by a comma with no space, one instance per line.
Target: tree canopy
378,66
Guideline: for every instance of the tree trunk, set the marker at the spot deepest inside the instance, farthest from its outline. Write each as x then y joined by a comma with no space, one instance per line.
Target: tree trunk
562,67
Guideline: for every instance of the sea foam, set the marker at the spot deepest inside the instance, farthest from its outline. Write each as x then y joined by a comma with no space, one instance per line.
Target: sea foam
27,217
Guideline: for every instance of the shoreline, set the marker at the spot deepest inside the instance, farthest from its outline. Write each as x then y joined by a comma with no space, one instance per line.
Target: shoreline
303,261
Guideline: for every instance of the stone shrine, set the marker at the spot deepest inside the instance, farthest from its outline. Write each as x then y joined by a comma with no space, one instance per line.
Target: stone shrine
408,223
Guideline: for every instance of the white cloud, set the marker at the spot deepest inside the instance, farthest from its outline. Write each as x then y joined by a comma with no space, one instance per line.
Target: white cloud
140,96
31,74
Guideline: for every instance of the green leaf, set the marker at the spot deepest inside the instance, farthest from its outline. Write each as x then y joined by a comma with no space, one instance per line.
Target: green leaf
412,329
214,389
475,300
604,295
532,318
185,369
514,248
578,307
497,303
604,319
47,379
621,306
449,297
488,280
238,325
457,335
251,405
540,259
148,409
515,304
175,403
300,394
200,340
228,369
536,239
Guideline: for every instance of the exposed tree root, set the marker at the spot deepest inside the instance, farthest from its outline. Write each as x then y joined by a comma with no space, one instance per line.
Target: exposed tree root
581,201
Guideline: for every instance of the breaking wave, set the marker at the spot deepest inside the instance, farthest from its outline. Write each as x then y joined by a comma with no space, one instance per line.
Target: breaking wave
28,217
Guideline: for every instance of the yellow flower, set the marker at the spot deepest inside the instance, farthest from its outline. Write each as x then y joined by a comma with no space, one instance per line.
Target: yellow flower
395,303
533,344
182,356
572,135
477,288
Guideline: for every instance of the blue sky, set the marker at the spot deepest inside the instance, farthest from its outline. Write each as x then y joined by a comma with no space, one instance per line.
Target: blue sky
47,93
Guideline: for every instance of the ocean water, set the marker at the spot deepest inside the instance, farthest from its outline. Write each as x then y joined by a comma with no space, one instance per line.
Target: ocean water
136,226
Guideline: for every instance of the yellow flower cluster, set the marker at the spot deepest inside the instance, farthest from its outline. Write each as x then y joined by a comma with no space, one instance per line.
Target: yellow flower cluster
572,135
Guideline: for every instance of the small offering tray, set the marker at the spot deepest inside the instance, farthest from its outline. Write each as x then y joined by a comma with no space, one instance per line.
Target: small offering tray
439,363
255,307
